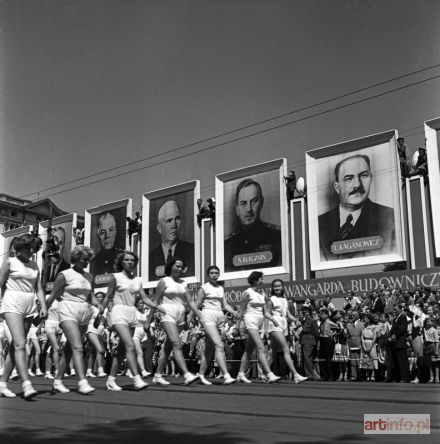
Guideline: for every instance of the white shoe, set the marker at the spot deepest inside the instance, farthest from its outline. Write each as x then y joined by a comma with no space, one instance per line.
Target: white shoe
28,391
145,374
263,378
31,373
129,374
72,372
242,378
39,372
49,376
1,371
139,383
85,388
4,391
228,380
90,375
111,385
190,378
160,381
203,380
60,387
298,379
272,378
101,373
14,375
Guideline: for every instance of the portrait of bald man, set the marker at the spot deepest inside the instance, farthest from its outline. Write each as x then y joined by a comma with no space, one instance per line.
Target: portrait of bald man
356,216
169,227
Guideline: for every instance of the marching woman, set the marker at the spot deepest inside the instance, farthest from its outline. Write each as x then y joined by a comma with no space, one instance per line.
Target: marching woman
171,293
20,277
73,290
253,307
211,297
123,290
277,305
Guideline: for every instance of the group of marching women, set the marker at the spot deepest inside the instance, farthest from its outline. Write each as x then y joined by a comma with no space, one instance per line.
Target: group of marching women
74,308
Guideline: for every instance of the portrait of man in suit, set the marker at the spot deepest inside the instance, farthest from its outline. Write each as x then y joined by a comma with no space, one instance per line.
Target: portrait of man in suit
254,243
358,226
54,255
169,226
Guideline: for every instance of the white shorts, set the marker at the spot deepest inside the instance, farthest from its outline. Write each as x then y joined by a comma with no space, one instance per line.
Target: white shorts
124,314
52,326
80,312
139,333
253,322
282,325
32,333
175,313
213,317
19,302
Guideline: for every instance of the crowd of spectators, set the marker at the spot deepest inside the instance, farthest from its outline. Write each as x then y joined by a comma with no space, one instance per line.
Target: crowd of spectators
384,335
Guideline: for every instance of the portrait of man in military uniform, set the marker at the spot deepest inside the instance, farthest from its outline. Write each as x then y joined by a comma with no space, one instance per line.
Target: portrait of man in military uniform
254,243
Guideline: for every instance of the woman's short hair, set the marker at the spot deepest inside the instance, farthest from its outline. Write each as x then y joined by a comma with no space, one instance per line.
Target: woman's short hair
120,258
171,263
272,285
212,267
24,241
81,252
254,276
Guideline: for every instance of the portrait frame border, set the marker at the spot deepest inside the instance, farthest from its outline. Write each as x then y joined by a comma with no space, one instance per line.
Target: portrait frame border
432,130
352,146
194,186
127,202
279,165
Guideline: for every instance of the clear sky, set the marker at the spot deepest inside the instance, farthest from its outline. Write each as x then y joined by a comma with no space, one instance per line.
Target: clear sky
87,86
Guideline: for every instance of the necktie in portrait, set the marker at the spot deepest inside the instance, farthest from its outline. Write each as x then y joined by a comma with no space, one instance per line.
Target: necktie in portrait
346,229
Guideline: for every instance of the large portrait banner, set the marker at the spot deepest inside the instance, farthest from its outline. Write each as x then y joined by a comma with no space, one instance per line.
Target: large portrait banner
54,257
106,233
432,133
7,239
355,203
169,230
251,220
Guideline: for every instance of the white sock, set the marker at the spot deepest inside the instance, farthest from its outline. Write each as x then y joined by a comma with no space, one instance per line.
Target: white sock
111,379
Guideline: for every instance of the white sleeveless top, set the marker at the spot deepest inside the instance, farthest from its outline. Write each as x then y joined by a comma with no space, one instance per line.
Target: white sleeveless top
213,297
77,288
126,289
21,278
279,306
256,302
174,292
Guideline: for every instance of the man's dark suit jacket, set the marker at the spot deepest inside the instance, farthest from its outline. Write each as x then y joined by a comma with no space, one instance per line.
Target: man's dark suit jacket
378,305
399,329
64,265
374,220
185,250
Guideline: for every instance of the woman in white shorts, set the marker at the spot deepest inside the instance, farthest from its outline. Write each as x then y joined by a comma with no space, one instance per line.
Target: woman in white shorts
278,307
211,297
123,290
33,346
253,308
171,293
73,290
95,332
20,275
53,332
140,334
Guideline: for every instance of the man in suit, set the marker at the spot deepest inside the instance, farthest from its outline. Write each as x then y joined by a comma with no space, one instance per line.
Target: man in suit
398,337
169,223
354,332
255,243
379,301
54,261
309,339
356,216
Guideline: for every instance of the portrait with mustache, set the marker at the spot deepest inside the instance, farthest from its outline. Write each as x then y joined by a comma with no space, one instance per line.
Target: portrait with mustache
169,225
356,216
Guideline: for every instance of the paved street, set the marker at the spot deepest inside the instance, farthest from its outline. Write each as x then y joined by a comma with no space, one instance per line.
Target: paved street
313,412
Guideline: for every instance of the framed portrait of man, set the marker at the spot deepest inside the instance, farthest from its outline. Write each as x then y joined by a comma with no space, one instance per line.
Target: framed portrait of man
251,220
54,257
106,233
169,230
432,134
355,203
